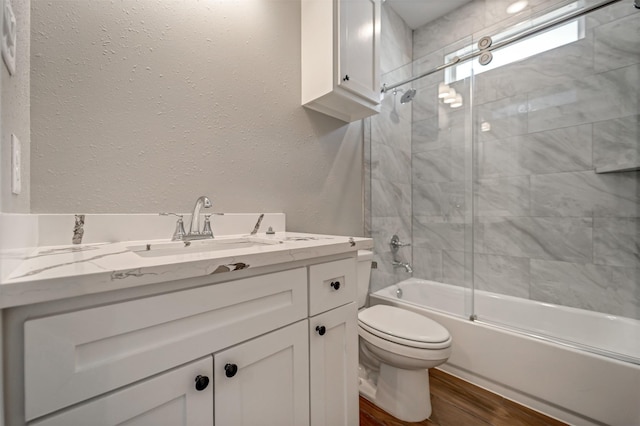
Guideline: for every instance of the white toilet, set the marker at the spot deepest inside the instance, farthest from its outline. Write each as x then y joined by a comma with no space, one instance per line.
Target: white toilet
397,347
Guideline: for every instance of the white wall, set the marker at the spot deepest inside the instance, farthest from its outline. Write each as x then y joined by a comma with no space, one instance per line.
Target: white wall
142,106
2,166
1,268
14,114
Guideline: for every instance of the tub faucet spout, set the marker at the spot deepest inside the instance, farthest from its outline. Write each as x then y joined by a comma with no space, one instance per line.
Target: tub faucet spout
406,265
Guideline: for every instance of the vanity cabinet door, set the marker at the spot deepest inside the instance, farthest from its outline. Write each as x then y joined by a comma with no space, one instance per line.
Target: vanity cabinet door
333,365
264,381
174,398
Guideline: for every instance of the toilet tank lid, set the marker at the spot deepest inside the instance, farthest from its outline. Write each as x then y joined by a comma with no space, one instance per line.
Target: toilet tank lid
403,324
364,255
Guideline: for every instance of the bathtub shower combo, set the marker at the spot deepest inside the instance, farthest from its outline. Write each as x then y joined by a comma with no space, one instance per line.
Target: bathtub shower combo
511,169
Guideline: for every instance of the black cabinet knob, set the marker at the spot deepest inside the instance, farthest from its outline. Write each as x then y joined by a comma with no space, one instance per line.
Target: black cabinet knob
321,330
202,382
335,285
346,78
230,370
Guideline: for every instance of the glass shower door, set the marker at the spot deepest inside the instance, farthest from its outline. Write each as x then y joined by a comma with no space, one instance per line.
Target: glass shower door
441,164
556,187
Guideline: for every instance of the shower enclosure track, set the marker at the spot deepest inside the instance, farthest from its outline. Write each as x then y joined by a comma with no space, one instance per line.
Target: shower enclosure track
535,30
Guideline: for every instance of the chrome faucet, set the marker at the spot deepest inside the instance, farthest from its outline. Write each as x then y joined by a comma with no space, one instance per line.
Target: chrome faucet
395,245
194,228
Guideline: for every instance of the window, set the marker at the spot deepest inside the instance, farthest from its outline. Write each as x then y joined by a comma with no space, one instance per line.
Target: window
564,34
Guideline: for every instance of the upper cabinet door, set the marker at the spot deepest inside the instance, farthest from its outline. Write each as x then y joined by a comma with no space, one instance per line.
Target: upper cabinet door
340,57
358,41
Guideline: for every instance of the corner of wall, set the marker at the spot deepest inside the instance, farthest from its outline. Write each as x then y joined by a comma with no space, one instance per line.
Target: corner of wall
1,267
1,155
15,113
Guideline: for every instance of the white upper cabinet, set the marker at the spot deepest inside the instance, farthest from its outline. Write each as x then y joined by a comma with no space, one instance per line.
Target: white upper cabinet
340,57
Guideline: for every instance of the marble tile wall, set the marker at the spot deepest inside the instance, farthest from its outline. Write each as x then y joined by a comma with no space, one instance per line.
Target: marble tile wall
389,153
546,225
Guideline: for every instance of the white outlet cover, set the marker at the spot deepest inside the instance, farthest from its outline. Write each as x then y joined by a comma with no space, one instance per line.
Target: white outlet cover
16,168
9,31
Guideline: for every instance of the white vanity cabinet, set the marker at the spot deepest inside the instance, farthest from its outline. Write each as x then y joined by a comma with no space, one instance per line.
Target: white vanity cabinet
73,356
333,343
340,57
241,352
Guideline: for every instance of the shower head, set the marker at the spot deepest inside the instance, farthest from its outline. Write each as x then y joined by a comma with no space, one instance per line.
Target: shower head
408,96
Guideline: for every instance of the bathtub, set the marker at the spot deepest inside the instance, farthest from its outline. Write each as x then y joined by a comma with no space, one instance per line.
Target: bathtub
569,377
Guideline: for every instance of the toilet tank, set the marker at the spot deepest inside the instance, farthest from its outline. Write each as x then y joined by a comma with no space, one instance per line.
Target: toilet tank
364,274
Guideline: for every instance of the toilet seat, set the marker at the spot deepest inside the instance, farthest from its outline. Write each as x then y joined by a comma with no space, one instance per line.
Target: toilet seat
403,327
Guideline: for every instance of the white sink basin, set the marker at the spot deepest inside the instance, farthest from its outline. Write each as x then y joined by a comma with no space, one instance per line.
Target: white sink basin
199,246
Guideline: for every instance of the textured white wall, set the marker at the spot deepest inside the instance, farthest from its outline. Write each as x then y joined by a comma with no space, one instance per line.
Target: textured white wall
14,114
2,165
141,106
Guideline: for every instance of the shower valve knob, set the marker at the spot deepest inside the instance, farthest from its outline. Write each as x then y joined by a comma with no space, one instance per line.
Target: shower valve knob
335,285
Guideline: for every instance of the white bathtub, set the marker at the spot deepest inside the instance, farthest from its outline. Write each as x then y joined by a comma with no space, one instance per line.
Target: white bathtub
545,373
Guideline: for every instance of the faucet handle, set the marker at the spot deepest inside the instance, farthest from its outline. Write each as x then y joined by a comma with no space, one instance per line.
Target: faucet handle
178,233
396,243
170,214
206,229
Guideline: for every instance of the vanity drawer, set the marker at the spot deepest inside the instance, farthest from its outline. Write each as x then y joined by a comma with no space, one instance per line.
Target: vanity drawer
332,284
78,355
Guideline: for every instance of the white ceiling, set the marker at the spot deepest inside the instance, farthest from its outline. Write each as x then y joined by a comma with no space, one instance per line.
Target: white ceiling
416,13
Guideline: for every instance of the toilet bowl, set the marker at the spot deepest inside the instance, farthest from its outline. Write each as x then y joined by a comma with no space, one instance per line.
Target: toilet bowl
396,349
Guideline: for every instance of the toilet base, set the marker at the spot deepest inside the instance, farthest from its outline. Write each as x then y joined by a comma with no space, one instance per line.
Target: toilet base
402,393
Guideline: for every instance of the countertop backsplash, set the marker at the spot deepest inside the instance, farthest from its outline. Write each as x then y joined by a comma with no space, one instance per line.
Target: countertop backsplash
21,234
57,229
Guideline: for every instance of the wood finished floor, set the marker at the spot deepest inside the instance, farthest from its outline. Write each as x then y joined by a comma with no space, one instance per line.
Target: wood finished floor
459,403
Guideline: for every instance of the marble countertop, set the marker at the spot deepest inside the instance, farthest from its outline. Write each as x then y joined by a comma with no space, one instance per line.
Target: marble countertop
57,272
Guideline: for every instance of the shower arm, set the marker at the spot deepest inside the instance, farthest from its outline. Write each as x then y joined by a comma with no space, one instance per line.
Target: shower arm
535,30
